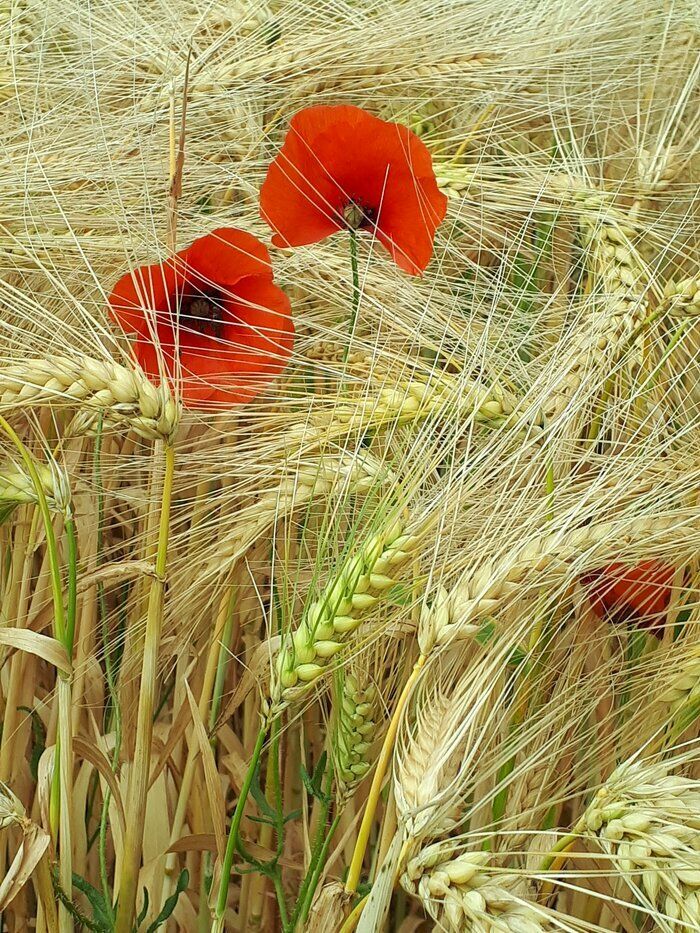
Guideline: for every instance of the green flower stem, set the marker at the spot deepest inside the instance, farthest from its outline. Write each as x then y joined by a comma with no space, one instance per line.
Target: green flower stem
232,844
72,539
315,869
355,292
315,848
557,852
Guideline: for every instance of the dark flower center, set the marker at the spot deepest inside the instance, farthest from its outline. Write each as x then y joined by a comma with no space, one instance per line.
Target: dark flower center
357,216
203,312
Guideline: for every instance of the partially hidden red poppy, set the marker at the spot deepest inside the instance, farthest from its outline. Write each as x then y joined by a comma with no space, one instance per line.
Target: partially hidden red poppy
211,315
343,168
639,594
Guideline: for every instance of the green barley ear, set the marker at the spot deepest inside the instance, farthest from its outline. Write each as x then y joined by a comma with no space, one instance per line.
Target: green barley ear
355,710
306,653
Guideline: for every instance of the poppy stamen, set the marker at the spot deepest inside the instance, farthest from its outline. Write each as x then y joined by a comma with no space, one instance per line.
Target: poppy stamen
356,216
202,313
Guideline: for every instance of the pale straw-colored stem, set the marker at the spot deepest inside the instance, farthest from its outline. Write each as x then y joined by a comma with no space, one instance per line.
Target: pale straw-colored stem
140,770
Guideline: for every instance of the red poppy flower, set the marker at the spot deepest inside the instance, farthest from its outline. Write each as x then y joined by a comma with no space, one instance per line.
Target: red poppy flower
211,315
342,168
639,594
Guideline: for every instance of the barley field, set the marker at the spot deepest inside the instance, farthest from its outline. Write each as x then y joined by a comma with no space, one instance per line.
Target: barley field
349,466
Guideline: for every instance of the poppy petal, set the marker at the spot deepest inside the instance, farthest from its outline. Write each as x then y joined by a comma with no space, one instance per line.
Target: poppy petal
226,351
143,294
255,346
227,255
640,594
336,155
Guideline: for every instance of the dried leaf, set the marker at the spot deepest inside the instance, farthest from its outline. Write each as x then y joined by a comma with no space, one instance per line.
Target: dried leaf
32,847
217,804
41,645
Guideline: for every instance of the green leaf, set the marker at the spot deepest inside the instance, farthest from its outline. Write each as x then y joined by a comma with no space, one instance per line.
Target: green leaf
144,910
171,903
101,910
258,795
314,783
38,740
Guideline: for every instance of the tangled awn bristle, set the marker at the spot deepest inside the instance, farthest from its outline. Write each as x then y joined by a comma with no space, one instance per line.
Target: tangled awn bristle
459,892
356,474
121,395
647,821
529,406
305,654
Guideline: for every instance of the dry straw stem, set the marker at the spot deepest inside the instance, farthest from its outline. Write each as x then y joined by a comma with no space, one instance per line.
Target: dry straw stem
646,820
123,396
459,892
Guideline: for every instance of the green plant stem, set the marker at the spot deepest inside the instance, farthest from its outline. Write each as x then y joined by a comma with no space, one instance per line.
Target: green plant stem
140,771
232,843
316,847
562,846
317,869
281,902
221,665
62,775
72,602
355,292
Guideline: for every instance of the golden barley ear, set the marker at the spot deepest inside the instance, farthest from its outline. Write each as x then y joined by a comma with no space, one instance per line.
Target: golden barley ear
120,395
